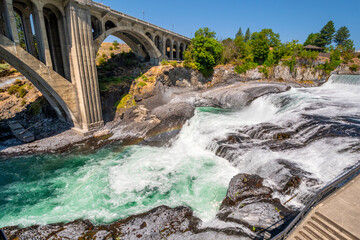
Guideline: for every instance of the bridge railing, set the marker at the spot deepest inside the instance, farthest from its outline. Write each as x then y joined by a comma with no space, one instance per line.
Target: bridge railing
320,195
99,5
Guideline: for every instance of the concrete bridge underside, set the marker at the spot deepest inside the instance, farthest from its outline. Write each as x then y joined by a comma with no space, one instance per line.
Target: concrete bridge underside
62,37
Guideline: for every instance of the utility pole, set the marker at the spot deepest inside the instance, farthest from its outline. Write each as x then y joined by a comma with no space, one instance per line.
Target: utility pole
143,15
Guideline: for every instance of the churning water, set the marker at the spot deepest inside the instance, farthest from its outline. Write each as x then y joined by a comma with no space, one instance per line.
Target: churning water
323,125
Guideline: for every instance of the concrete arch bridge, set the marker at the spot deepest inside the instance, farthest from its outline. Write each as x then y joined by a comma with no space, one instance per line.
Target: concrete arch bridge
62,38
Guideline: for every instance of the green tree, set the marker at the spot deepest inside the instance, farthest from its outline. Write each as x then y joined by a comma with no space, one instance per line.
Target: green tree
311,39
247,35
326,35
341,36
243,48
230,51
272,38
260,47
239,33
204,52
205,32
116,44
20,30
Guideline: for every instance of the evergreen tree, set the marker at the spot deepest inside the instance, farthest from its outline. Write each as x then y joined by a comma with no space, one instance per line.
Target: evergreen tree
341,36
247,35
239,33
326,35
311,39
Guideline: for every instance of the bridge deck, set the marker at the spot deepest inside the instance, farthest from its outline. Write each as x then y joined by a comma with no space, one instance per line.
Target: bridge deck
337,217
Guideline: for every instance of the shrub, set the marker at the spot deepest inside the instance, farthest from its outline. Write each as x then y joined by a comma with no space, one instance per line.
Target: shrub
23,102
102,61
13,89
18,82
164,62
111,48
112,55
22,92
115,44
142,84
244,67
265,71
354,68
290,63
173,63
358,56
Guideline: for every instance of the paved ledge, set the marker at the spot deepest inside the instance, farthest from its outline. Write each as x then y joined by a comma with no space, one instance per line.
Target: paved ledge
337,217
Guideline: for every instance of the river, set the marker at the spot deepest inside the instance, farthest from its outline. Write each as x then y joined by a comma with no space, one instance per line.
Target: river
320,127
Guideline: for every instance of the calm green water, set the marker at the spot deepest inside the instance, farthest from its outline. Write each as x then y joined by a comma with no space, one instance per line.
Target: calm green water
115,182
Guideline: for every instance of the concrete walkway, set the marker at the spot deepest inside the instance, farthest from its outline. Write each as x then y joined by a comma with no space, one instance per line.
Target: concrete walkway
337,217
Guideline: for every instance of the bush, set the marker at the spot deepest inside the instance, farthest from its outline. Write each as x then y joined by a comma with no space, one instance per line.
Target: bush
23,102
111,48
354,68
112,55
102,61
142,84
244,67
290,63
173,63
164,62
358,56
13,89
116,44
22,92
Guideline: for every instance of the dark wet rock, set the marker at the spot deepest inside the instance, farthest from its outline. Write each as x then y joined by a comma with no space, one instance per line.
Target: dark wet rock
159,223
239,95
249,202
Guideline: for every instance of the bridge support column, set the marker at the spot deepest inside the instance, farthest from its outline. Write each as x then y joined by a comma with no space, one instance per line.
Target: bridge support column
178,51
30,44
172,50
10,21
83,66
41,38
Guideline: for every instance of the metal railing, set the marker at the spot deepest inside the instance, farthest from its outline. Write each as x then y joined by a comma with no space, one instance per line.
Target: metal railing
2,235
320,195
99,5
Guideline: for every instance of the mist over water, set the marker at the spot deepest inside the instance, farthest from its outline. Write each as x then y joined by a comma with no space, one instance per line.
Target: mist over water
117,182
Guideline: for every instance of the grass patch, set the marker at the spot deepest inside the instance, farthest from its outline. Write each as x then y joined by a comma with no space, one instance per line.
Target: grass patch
142,84
126,102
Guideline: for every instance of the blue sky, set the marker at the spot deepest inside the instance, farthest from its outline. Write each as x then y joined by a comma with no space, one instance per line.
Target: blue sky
292,19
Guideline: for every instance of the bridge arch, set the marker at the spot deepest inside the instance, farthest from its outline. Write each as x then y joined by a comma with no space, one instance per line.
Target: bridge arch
168,48
157,41
139,42
96,27
149,35
58,91
109,25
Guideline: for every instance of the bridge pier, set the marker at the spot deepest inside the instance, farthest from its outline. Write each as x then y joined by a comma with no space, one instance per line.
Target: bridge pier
84,71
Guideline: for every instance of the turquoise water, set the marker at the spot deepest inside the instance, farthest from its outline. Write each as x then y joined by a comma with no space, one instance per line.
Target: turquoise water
114,183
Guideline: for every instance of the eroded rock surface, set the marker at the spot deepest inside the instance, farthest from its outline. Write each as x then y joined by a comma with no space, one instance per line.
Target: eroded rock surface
159,223
250,203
